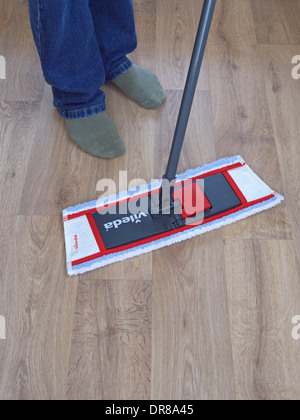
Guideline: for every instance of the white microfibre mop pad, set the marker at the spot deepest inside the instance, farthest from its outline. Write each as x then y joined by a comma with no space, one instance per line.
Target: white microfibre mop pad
89,237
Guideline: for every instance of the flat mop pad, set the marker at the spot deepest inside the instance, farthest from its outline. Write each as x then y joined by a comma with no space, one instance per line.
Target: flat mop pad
232,192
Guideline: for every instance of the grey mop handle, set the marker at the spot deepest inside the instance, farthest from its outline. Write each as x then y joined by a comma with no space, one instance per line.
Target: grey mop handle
190,87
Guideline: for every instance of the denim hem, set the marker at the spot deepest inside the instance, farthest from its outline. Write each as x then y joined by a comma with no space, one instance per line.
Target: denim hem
82,113
119,70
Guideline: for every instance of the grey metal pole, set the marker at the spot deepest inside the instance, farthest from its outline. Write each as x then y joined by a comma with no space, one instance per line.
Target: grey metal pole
190,87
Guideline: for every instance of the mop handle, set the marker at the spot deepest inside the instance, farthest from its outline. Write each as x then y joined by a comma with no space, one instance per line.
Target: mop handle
190,87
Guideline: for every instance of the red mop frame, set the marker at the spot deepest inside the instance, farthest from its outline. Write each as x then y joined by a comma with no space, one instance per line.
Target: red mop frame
103,251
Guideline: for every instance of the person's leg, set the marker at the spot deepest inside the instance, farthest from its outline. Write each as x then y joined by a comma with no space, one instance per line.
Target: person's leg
116,35
72,63
115,32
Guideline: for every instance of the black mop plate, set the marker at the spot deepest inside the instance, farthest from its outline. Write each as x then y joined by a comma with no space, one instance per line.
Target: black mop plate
117,230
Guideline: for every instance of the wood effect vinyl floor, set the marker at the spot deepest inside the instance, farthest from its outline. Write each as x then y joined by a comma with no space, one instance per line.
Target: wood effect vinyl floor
207,319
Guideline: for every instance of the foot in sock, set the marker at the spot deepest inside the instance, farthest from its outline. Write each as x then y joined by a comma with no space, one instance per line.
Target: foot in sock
97,135
142,86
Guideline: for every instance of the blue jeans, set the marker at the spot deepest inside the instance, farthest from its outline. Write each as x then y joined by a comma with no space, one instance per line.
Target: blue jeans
82,44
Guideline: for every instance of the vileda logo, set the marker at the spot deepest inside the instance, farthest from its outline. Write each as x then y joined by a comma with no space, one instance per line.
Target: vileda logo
137,218
76,246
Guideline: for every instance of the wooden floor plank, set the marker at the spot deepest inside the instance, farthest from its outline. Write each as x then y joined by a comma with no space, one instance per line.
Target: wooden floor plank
6,9
233,19
38,303
111,336
17,132
24,81
276,21
243,127
145,16
264,296
191,347
175,43
283,98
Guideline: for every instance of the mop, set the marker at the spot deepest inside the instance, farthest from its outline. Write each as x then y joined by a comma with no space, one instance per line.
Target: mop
170,210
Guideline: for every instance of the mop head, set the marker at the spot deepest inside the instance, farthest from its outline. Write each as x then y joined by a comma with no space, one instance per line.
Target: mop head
96,236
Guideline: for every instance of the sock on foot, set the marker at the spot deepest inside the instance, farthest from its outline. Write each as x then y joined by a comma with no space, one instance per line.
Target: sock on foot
142,86
97,135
